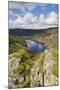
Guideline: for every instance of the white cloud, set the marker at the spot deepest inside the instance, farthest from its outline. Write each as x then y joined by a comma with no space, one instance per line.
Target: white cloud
11,13
11,24
29,18
42,18
22,5
19,20
34,22
43,6
52,18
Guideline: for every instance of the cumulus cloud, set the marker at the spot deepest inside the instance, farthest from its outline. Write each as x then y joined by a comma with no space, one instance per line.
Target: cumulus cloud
31,21
11,24
42,18
30,18
21,15
52,18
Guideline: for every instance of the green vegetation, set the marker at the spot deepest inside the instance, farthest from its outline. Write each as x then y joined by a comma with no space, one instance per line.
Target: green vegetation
55,56
23,67
18,51
16,43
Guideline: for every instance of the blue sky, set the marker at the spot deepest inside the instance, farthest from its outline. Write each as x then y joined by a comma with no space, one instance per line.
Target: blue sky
34,10
44,9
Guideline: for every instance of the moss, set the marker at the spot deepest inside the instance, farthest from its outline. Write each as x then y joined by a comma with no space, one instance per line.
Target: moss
27,85
20,53
55,70
55,56
18,70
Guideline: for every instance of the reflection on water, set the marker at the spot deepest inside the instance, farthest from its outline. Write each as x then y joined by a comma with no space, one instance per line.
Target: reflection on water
35,47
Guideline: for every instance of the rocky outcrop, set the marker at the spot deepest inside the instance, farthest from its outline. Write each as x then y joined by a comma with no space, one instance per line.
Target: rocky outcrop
42,75
49,78
39,74
36,76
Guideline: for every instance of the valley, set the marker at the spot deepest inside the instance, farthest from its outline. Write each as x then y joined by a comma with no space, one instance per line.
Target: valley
28,69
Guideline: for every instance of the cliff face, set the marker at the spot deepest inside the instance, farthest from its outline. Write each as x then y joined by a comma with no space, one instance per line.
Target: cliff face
49,78
40,73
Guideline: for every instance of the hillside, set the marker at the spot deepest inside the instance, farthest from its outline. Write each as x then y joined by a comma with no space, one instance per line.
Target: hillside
27,69
29,32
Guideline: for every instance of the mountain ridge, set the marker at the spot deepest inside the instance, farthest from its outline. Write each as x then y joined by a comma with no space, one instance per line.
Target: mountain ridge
29,32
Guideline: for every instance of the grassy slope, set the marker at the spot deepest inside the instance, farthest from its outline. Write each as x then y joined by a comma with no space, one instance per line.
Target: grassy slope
55,67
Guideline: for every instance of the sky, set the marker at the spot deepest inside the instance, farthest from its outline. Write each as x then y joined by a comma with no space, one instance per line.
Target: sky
30,15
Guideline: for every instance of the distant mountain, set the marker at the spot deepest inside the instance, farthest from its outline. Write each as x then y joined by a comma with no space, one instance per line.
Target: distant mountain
28,32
